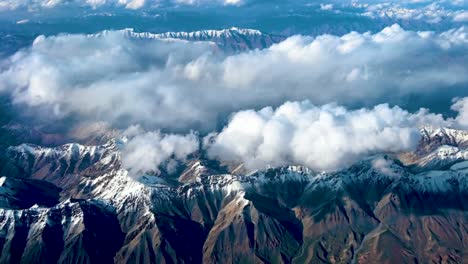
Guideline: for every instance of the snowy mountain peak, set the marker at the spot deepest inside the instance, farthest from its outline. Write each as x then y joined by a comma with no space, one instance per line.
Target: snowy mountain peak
449,135
211,34
77,195
230,40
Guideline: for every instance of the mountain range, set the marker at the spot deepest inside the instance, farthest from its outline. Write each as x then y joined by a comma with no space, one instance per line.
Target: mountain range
76,204
229,40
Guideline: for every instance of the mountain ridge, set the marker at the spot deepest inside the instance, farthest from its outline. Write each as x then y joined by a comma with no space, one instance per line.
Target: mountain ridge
277,215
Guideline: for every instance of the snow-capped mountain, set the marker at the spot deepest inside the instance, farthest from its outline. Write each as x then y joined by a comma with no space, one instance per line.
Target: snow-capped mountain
230,40
438,149
75,204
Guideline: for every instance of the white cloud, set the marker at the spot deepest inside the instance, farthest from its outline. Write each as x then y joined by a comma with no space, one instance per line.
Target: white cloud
326,6
386,167
149,152
96,3
322,138
204,2
461,106
7,5
22,21
133,4
233,2
179,86
435,12
427,10
461,16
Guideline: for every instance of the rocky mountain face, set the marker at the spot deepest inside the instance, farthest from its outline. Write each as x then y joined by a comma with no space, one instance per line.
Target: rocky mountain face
75,204
438,149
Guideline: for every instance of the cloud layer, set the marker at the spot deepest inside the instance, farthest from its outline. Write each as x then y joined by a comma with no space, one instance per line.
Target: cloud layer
8,5
179,86
116,79
427,11
322,138
461,106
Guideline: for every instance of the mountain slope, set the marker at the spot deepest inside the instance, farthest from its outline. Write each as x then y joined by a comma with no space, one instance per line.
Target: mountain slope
376,211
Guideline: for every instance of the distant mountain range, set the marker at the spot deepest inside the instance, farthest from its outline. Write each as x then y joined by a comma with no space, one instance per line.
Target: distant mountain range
230,40
75,204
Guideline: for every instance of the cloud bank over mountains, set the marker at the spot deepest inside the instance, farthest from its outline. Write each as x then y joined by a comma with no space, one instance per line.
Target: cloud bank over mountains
179,86
118,80
322,138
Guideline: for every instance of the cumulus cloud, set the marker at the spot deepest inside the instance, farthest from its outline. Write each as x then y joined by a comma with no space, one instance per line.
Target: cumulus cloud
435,12
461,16
6,5
461,106
326,6
116,78
112,77
151,152
322,138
